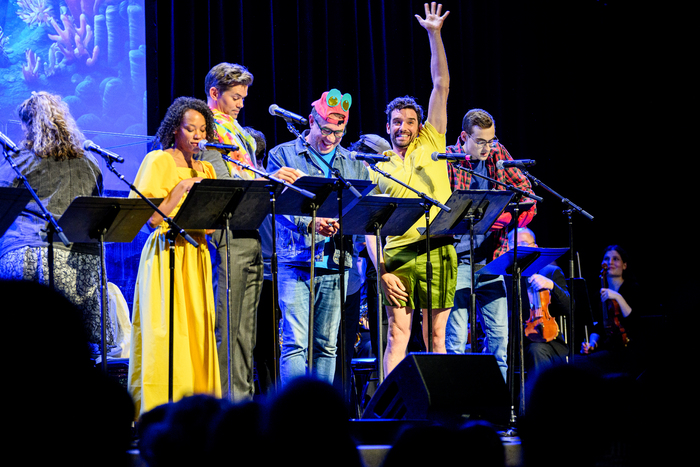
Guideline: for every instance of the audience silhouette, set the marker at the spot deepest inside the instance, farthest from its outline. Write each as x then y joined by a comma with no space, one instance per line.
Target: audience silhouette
62,406
574,416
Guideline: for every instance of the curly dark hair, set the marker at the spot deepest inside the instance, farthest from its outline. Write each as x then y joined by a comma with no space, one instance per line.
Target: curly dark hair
405,102
165,136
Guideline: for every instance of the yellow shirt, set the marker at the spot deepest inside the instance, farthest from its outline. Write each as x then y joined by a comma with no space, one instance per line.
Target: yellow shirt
419,171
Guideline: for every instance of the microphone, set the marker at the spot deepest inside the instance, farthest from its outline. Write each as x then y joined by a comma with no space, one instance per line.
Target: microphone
204,144
108,155
7,144
287,115
451,157
520,164
360,156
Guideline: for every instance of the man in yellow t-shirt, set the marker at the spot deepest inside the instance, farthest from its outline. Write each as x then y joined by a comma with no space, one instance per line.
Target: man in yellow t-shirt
402,264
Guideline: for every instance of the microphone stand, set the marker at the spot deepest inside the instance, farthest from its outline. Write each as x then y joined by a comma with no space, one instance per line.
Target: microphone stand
516,304
171,235
52,228
571,209
428,203
342,183
273,260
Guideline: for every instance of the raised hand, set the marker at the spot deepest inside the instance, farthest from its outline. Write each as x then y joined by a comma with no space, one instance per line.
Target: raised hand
433,18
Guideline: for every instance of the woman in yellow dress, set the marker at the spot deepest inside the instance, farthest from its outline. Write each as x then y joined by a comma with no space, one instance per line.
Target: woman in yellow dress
170,174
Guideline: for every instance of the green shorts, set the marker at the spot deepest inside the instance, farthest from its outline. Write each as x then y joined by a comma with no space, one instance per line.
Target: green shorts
409,262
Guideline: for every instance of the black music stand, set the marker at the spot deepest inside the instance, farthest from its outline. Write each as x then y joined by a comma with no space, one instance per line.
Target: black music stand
529,261
12,201
330,207
94,219
474,212
245,203
292,203
429,203
466,206
201,209
382,215
346,197
295,204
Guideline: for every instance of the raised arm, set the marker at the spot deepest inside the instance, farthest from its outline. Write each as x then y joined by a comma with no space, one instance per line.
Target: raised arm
437,106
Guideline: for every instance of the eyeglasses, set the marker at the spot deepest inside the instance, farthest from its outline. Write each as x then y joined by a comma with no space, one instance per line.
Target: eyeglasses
327,131
482,143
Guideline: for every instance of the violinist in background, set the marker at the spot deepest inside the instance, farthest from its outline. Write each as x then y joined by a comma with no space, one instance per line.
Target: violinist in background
617,296
544,344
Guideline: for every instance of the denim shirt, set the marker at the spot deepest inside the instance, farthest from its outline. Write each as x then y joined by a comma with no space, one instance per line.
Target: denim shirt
56,183
293,237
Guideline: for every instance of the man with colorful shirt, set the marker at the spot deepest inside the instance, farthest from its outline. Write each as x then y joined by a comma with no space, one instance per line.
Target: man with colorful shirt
478,141
327,122
226,86
402,264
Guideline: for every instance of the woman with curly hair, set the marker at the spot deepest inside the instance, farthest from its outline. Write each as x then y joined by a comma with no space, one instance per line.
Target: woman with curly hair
170,173
52,159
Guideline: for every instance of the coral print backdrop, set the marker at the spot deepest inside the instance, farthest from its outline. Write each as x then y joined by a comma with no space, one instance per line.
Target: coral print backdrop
92,53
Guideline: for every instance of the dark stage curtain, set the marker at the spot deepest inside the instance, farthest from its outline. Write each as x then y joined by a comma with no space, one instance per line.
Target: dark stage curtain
506,57
565,81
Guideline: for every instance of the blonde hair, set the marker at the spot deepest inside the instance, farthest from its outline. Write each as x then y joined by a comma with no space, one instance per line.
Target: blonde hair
225,75
50,130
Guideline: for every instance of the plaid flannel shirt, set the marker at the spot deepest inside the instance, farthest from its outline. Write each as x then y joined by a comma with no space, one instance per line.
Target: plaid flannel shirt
461,180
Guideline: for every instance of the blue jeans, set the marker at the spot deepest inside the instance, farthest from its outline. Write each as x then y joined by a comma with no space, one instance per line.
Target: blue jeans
492,309
294,285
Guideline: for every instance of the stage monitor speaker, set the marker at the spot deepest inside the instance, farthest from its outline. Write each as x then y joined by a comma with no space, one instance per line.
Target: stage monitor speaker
443,388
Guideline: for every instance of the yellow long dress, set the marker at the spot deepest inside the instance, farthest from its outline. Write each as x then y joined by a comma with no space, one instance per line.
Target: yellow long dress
195,363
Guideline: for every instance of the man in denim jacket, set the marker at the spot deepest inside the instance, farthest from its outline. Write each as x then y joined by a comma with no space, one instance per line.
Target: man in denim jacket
329,116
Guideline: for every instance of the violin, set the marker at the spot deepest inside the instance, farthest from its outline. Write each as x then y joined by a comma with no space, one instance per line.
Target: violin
612,313
541,326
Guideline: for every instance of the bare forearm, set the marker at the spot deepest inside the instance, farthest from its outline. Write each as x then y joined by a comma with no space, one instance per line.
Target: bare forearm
439,72
371,242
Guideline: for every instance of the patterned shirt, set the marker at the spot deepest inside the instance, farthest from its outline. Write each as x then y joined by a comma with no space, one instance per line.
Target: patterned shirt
231,132
461,180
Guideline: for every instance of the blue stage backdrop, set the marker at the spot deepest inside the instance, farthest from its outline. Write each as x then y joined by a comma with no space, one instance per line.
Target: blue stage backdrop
93,54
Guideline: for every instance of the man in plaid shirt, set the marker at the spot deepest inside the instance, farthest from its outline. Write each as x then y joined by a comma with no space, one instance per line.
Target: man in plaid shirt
479,143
